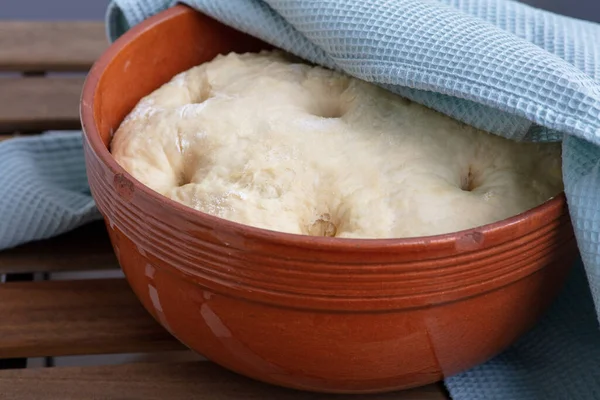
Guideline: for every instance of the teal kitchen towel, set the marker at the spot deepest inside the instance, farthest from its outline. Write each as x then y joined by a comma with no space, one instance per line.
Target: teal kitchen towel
43,187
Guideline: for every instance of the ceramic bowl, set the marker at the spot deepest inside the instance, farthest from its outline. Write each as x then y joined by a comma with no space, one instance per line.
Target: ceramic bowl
313,313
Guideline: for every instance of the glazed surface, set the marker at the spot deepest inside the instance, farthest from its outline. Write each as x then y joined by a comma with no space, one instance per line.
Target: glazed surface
240,296
271,142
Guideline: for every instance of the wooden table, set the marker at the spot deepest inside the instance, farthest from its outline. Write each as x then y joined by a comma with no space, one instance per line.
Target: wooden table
44,65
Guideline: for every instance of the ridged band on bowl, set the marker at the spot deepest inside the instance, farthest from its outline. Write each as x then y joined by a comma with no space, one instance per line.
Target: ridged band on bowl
405,272
325,273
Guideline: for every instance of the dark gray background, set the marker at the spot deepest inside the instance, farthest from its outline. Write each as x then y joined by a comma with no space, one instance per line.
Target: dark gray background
94,9
52,9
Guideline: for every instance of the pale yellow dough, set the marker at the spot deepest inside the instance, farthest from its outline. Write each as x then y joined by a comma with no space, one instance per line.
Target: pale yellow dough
271,142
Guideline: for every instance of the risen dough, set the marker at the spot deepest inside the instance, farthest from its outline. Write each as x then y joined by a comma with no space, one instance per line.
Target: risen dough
268,141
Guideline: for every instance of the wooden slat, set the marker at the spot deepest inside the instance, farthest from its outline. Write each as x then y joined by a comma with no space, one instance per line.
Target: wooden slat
50,46
54,318
39,103
197,380
86,248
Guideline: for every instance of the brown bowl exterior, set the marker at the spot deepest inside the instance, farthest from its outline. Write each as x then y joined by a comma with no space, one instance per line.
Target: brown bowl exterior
319,314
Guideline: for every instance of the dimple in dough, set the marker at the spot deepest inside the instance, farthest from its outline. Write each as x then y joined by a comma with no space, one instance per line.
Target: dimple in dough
268,141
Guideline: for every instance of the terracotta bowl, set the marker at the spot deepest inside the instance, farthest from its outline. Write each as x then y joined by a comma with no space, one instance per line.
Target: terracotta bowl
313,313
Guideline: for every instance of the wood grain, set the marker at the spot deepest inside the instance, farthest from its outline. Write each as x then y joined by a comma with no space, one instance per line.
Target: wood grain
194,380
39,103
55,318
83,249
50,46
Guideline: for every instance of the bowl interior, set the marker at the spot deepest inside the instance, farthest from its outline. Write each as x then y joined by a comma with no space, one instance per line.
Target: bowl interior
131,69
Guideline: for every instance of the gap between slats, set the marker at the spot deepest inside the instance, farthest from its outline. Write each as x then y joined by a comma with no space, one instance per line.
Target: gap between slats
161,381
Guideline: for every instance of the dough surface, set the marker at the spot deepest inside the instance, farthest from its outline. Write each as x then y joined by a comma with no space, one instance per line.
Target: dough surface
266,140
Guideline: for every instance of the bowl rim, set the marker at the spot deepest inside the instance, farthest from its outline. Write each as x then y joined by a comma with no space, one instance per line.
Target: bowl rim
492,232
